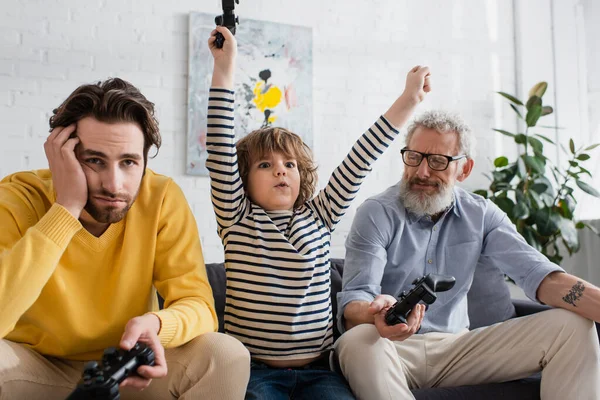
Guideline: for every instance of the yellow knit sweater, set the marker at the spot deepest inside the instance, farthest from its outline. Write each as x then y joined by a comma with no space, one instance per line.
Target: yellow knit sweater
67,293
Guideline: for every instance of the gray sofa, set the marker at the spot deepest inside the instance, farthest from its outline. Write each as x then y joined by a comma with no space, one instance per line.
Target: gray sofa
489,302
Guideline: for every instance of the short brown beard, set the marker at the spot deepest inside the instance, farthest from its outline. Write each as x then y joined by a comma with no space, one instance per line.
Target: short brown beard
110,215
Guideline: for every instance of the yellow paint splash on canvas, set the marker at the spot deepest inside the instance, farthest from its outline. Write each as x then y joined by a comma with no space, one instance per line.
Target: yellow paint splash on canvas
267,100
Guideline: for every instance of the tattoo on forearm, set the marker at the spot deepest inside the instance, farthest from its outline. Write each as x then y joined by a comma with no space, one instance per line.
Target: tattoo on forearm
574,294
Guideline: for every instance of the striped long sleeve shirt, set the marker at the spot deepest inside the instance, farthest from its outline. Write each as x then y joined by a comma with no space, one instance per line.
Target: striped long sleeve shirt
277,262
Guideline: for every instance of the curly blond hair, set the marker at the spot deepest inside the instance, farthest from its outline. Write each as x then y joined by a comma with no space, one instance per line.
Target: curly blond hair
264,141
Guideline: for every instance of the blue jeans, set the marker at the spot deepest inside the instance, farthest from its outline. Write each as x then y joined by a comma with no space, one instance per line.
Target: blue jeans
313,382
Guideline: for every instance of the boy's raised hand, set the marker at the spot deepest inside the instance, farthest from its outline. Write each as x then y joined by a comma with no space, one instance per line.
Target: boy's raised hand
224,57
418,83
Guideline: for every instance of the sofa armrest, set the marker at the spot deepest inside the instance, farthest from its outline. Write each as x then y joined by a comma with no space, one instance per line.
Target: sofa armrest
528,307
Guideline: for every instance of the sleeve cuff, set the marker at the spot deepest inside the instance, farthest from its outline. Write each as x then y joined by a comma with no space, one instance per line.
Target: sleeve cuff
58,225
344,298
168,326
536,277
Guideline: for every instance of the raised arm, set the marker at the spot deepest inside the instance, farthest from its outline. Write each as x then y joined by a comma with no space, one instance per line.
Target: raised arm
331,202
227,191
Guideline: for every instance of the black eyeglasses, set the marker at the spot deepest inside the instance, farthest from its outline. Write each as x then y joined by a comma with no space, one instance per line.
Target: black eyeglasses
437,162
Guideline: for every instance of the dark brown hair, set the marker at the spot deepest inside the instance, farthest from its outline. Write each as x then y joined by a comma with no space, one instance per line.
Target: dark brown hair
111,101
262,142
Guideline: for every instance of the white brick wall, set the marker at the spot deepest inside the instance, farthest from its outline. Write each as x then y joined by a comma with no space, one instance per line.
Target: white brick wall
362,51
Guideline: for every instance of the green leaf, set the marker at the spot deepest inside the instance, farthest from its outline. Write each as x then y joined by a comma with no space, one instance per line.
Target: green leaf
568,232
516,110
504,132
573,163
572,146
566,207
536,144
545,181
501,162
585,171
544,137
546,222
539,187
498,186
533,114
534,163
580,225
534,101
583,157
521,168
592,228
529,236
587,188
511,98
547,199
591,147
483,193
520,138
506,205
535,199
547,110
550,127
554,174
521,211
538,89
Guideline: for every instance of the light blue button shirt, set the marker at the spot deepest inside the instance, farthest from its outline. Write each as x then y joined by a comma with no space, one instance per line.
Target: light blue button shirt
388,247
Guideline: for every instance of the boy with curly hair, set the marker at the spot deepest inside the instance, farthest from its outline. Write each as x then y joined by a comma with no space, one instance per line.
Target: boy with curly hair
277,236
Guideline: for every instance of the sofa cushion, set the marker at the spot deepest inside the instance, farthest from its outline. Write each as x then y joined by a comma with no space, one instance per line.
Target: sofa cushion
216,277
523,389
489,298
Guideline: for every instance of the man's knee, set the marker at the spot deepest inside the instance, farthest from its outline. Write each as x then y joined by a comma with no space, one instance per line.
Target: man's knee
572,327
360,334
220,349
360,341
569,319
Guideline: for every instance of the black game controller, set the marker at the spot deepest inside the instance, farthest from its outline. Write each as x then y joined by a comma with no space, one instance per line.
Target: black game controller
228,20
102,382
424,290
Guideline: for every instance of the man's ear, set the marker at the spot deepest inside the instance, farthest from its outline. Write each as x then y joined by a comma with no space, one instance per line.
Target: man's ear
465,170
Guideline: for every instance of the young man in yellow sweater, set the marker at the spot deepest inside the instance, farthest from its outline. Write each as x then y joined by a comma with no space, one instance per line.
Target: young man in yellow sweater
84,245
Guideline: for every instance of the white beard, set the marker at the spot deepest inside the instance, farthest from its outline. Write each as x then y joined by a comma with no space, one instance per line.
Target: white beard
421,203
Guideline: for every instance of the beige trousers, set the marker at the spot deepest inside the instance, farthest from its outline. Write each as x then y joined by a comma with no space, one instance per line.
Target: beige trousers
212,366
561,344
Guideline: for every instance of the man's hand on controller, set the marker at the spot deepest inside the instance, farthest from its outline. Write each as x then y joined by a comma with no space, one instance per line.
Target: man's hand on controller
144,329
399,332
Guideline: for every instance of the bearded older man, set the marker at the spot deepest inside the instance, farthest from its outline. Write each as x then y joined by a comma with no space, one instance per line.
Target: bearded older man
425,224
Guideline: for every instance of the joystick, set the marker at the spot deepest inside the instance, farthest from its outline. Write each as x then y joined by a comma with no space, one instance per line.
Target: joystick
102,382
424,290
227,19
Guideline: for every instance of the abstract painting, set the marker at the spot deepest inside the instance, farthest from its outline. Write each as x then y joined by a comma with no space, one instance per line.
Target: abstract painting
273,82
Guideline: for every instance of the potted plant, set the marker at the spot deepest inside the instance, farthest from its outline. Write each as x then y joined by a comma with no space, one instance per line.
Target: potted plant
536,194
